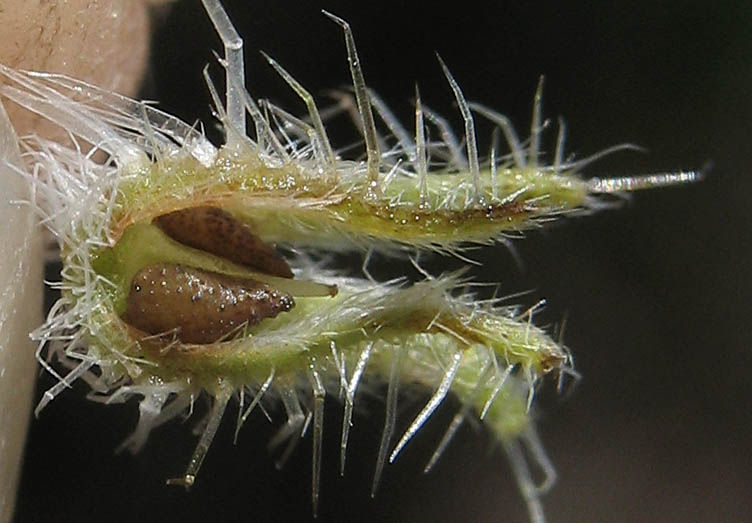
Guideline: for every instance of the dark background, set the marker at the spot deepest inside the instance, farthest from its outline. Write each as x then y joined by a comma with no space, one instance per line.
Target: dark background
657,294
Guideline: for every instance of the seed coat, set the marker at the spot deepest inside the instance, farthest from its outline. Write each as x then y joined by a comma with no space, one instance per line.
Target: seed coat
199,306
216,231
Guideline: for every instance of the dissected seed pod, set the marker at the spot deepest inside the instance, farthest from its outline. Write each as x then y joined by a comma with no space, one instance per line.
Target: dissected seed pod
123,236
199,306
216,231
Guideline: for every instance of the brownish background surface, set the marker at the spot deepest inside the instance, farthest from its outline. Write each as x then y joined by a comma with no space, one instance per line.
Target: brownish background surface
657,294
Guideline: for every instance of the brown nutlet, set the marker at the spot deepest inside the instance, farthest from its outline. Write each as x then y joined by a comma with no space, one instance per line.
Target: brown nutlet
216,231
200,306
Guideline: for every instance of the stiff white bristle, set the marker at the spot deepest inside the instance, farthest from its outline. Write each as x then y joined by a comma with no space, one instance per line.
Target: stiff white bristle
648,181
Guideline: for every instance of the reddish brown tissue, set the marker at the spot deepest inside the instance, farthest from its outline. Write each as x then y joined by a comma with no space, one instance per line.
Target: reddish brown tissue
199,306
216,231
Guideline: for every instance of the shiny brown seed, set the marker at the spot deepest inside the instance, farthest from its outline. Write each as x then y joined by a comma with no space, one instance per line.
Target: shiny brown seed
216,231
199,306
